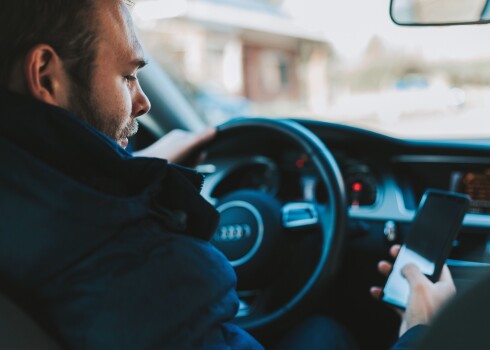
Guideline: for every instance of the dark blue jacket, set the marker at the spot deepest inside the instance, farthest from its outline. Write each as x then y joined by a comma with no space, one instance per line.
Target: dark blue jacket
411,338
108,251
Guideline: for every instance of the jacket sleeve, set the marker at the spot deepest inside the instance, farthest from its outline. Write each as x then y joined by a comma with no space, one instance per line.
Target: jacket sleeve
410,339
145,291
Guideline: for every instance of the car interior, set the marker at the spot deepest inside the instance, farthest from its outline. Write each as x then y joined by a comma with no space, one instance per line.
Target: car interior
332,198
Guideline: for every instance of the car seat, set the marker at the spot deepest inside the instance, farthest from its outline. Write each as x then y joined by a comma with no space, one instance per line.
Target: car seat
464,323
19,331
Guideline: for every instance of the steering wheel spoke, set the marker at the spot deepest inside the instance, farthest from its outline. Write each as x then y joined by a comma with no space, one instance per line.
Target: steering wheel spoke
299,215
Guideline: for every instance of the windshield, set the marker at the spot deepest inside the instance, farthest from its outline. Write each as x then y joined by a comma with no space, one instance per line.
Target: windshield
342,61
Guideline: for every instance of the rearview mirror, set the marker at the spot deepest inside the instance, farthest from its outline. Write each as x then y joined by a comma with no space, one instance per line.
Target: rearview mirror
439,12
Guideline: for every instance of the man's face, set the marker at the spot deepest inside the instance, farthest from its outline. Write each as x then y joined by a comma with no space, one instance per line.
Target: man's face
115,98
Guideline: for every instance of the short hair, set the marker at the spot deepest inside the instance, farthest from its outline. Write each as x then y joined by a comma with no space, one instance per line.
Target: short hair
66,25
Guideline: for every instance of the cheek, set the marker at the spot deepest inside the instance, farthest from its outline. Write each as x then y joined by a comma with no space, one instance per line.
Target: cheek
129,93
120,97
125,102
114,99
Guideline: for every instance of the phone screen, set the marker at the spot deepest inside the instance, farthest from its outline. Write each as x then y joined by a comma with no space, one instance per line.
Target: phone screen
429,241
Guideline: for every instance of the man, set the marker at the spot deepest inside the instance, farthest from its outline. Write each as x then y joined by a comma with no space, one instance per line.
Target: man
106,250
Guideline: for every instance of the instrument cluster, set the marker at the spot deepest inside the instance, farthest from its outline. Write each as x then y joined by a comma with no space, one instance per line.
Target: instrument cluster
293,177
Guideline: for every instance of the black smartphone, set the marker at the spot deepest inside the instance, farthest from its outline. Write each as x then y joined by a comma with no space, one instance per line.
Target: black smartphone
429,241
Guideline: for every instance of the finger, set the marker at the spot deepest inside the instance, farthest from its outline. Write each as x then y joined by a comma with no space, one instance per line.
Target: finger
413,275
187,145
376,292
385,268
445,275
394,250
194,141
205,136
202,157
196,160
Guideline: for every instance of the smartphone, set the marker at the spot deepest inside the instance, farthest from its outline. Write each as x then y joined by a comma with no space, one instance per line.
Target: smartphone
429,241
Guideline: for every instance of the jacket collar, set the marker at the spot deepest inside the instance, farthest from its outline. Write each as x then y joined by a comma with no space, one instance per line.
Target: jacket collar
67,144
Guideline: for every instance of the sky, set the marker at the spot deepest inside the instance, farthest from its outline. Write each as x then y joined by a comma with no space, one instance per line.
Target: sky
350,24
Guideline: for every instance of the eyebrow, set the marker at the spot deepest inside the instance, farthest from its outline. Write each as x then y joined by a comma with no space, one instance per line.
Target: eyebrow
139,63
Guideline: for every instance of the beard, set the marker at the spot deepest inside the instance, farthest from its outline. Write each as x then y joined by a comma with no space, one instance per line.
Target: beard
85,105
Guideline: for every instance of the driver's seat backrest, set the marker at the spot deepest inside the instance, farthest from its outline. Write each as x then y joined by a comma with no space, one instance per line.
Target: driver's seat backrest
464,323
19,331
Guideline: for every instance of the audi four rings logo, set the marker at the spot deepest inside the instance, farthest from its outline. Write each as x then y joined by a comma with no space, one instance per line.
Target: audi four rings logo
231,233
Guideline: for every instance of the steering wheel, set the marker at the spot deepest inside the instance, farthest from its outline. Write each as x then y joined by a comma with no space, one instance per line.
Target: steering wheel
253,224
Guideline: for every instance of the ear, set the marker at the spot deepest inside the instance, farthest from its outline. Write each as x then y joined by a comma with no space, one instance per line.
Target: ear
45,75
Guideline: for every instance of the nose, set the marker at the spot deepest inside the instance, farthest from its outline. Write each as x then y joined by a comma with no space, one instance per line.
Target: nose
141,104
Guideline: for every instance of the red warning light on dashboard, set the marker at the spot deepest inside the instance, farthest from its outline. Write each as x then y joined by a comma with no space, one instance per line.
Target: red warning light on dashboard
357,187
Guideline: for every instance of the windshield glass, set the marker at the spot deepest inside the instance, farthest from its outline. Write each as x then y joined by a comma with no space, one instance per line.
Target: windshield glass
342,61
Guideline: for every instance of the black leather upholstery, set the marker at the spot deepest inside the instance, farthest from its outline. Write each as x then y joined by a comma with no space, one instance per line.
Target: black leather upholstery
19,332
464,323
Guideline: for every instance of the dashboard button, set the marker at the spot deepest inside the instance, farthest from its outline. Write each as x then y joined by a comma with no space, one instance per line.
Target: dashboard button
390,231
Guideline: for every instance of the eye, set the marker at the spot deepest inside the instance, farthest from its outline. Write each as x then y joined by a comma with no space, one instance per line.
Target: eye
131,78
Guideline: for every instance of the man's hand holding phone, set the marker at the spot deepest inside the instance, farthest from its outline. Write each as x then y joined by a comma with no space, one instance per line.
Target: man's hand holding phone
419,281
425,297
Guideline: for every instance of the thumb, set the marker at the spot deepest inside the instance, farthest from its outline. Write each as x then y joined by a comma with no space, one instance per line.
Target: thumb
413,275
445,274
204,136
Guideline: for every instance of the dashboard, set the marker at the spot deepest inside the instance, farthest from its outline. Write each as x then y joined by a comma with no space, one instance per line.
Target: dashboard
475,184
468,175
291,177
384,180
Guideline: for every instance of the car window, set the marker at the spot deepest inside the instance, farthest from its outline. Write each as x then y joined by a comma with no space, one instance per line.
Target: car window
340,61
